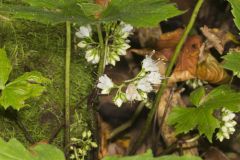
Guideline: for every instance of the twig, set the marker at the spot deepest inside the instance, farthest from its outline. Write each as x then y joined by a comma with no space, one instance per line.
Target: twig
67,87
55,133
14,116
165,81
129,123
27,135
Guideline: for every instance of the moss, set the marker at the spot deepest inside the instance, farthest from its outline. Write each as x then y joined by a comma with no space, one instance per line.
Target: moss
32,46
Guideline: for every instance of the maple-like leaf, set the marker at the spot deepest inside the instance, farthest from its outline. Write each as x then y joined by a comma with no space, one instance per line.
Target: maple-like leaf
232,62
202,118
236,11
137,13
140,13
187,119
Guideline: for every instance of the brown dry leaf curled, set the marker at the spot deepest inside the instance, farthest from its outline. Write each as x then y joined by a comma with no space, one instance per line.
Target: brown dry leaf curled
188,66
169,39
211,71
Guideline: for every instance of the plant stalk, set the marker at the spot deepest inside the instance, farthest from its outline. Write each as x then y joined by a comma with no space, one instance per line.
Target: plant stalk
102,62
165,81
67,88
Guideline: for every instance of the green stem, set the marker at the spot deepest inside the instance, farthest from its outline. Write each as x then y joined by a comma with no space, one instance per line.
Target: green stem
102,62
168,73
129,123
67,87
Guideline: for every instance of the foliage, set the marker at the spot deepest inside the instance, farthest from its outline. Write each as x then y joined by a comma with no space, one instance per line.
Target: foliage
140,13
231,62
81,146
202,118
5,68
149,156
13,149
15,93
236,11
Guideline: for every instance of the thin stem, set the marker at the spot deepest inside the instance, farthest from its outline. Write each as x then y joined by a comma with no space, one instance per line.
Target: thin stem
129,123
165,81
102,62
67,87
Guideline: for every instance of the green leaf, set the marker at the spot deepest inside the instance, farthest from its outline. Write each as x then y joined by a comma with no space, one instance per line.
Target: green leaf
140,13
47,152
48,12
149,156
201,118
232,62
29,85
5,67
14,150
187,119
197,95
236,11
222,96
91,9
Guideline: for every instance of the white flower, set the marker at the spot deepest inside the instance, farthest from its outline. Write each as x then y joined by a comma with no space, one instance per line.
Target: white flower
144,85
132,93
119,99
105,83
154,78
82,44
127,28
84,31
149,64
227,125
228,117
92,56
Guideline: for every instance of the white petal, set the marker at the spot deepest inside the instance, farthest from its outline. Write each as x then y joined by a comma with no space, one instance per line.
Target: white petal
132,93
154,78
149,64
144,85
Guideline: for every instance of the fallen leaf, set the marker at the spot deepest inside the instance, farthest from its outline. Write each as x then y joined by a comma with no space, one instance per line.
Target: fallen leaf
169,39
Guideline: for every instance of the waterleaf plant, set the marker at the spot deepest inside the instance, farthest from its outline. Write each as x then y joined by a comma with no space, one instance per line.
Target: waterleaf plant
137,13
15,93
202,116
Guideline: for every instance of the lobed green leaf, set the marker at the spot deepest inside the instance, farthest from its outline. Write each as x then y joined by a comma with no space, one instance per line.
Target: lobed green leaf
197,95
5,67
202,118
14,150
232,62
29,85
236,11
187,119
140,13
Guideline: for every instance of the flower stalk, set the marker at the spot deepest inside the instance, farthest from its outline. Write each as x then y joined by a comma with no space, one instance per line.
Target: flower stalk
165,81
102,62
67,87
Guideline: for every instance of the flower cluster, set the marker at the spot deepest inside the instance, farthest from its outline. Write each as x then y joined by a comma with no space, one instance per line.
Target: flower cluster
116,42
227,126
81,146
195,83
136,89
